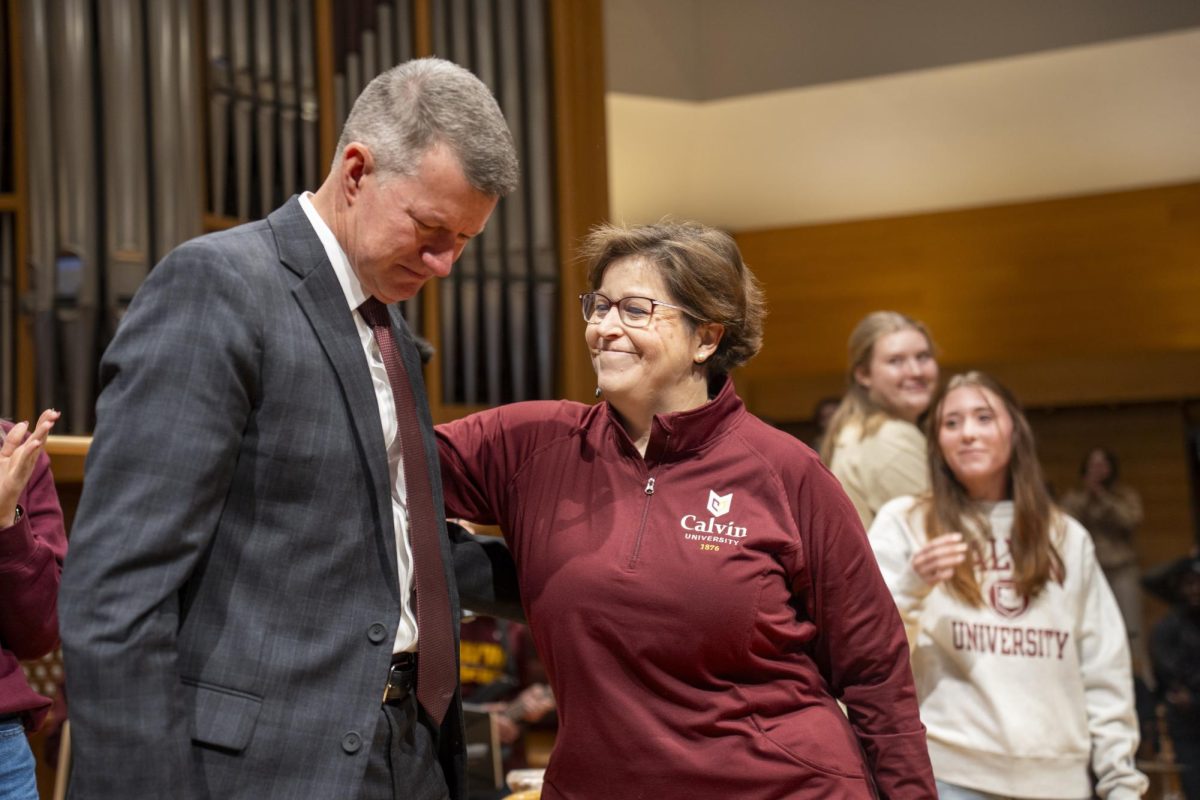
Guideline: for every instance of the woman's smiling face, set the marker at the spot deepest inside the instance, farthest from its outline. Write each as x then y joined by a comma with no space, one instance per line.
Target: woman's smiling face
651,366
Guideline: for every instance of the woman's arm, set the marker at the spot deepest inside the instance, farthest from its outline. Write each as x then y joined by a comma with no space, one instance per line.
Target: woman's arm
31,556
894,548
861,646
1104,665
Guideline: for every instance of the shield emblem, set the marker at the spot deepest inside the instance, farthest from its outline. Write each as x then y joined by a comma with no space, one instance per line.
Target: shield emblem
718,504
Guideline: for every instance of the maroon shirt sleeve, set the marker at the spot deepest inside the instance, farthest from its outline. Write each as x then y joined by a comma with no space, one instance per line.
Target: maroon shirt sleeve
861,649
31,556
483,452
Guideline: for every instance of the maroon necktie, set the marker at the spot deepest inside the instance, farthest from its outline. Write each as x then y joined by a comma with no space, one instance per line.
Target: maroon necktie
437,675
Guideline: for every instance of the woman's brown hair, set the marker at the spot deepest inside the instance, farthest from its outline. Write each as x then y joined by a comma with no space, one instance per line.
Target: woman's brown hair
703,271
948,507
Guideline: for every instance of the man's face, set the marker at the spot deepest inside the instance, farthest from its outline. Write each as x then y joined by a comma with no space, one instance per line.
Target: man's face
400,231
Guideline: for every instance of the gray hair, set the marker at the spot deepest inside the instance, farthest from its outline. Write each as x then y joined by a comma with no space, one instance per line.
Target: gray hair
413,106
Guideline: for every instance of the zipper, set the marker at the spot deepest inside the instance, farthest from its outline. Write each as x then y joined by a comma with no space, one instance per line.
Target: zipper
648,490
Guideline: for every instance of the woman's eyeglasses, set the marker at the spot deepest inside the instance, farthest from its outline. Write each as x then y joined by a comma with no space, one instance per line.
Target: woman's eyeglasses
635,312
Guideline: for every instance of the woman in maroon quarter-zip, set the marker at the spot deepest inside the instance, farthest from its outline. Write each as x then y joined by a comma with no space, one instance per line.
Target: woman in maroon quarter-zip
698,585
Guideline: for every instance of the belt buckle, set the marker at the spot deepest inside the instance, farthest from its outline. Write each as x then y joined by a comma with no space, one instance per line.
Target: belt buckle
401,675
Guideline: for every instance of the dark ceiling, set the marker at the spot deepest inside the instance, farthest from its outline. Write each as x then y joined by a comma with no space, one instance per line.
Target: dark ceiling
712,49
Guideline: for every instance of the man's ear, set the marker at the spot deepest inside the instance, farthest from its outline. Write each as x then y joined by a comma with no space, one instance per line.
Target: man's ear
357,163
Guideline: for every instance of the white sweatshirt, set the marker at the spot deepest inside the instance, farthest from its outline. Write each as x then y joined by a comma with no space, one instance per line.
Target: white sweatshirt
1017,697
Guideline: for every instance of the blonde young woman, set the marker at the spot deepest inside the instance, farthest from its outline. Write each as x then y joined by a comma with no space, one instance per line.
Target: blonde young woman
873,444
1018,650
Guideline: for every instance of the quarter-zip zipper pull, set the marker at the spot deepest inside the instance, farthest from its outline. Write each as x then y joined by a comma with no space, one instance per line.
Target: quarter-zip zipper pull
650,486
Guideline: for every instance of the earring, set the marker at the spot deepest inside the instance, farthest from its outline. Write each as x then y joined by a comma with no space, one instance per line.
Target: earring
597,391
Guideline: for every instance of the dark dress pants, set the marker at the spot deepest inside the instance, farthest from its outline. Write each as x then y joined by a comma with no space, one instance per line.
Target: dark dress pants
403,763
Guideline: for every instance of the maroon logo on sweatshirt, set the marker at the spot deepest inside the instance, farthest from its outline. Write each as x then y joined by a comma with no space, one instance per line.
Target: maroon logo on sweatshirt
1006,600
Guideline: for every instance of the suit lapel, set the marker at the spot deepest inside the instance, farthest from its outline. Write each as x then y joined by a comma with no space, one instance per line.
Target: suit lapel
323,302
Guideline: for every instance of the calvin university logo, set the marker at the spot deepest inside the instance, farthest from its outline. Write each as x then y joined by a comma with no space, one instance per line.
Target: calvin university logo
718,504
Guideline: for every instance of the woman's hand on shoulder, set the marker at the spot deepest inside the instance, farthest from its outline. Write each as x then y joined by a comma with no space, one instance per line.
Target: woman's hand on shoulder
937,560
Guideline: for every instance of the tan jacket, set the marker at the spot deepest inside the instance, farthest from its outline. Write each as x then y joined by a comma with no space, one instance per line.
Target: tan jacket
889,463
1111,518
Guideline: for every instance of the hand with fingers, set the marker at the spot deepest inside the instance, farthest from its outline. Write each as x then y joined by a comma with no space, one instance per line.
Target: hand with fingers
18,454
937,560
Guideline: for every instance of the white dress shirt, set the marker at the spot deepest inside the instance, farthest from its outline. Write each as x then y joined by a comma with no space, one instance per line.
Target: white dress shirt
406,634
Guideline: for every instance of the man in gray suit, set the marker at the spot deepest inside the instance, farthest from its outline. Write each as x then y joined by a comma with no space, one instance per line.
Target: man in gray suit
237,611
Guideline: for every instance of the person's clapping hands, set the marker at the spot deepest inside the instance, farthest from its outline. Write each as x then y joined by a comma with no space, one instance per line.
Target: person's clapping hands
18,454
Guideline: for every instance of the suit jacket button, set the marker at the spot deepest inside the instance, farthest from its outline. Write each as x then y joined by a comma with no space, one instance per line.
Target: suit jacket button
352,742
377,632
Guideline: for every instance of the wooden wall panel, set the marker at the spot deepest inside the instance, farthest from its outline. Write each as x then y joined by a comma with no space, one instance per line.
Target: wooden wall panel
1073,301
582,170
1150,441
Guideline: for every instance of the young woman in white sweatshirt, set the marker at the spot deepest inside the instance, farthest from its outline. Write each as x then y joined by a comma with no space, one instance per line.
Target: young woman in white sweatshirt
1018,649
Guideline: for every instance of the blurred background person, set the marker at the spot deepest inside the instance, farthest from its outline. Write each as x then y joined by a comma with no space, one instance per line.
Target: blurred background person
822,415
1111,511
698,585
1175,657
873,444
502,675
33,543
1019,654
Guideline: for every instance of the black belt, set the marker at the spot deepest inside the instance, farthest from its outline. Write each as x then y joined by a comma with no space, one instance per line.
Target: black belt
402,677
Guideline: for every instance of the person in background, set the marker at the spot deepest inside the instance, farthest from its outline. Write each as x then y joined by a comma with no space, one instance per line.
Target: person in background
33,543
873,445
1018,651
698,585
262,597
1111,511
1175,657
501,674
822,415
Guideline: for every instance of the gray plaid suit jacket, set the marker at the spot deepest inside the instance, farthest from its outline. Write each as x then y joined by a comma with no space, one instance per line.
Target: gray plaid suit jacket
230,599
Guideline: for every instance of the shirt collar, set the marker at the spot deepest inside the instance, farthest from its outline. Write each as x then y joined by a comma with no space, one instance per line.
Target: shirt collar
678,435
351,287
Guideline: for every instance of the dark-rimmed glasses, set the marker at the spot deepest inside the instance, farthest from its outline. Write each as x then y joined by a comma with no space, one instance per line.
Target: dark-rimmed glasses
635,312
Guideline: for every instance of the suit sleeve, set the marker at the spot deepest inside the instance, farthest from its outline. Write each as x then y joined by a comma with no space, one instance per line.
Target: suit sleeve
861,647
31,556
179,383
486,574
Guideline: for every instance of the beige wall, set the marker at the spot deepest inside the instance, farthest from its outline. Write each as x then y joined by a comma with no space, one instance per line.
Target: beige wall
1076,121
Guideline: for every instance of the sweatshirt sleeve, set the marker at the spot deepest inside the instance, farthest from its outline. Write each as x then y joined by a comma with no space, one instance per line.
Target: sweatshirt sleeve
470,450
481,454
894,546
31,558
1107,683
861,643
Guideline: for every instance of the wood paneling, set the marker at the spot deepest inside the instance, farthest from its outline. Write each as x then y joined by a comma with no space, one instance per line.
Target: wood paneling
1150,441
582,176
1072,301
20,199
